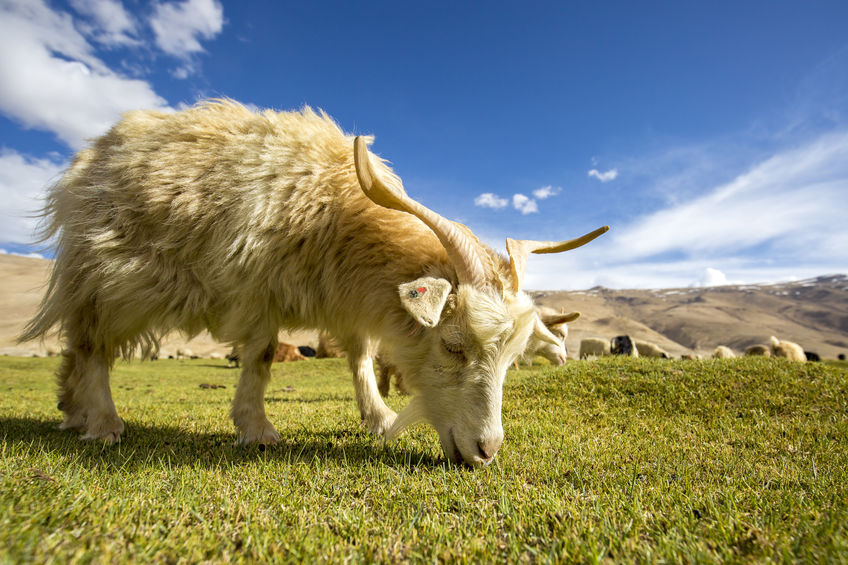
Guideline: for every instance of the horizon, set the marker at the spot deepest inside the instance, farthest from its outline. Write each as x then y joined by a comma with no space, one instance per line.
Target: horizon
713,140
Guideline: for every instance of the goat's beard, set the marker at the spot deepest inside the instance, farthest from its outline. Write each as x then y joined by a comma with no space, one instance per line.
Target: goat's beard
414,413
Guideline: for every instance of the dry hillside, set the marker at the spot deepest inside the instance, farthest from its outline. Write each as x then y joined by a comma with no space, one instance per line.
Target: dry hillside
813,313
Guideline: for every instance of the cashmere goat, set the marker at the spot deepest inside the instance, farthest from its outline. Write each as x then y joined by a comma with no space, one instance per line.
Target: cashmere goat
244,224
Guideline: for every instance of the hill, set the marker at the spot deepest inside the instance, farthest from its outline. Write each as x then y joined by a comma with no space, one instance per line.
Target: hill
811,312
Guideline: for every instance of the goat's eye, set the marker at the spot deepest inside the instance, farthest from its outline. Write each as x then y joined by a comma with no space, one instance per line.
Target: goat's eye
456,349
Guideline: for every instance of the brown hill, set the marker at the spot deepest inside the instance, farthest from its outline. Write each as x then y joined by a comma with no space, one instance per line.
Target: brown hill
22,284
813,313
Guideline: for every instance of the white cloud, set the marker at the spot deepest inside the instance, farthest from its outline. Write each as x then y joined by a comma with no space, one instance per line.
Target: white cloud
782,219
51,79
489,200
792,203
606,176
712,277
22,182
179,26
109,23
524,204
546,192
30,255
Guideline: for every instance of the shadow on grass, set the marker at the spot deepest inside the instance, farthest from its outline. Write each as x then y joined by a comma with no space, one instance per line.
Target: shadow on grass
145,446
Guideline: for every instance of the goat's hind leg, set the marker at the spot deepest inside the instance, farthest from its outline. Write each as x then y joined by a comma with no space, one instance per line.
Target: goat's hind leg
85,396
68,378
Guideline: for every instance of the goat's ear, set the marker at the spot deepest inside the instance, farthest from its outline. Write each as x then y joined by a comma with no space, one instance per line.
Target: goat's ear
424,299
542,333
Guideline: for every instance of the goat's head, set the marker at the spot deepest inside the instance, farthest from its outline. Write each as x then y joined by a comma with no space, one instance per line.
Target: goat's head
471,331
557,325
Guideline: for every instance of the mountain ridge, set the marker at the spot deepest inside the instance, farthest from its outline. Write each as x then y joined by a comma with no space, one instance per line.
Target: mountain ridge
812,312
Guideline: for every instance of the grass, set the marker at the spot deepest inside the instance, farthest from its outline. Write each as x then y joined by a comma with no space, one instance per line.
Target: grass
616,460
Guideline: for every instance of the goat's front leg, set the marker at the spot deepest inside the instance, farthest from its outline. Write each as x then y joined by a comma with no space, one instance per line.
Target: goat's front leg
248,410
375,414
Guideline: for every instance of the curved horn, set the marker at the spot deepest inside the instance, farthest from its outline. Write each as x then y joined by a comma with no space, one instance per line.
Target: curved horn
559,319
519,249
460,247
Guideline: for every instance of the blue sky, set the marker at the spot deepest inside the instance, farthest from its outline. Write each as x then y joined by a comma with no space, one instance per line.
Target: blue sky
712,137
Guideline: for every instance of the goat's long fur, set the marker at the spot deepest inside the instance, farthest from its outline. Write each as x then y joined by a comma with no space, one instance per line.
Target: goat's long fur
220,218
241,223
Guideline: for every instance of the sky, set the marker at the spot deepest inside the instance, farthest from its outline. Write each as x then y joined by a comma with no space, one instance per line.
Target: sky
712,137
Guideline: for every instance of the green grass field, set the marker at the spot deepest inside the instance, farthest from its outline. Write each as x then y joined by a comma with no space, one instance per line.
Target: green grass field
614,460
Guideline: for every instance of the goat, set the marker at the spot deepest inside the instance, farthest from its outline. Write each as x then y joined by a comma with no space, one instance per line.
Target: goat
757,351
648,349
787,350
723,352
594,347
244,224
623,345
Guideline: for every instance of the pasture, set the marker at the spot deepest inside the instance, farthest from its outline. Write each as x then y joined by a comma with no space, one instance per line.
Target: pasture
614,460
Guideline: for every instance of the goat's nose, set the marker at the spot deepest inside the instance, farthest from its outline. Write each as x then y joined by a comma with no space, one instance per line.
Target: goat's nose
489,447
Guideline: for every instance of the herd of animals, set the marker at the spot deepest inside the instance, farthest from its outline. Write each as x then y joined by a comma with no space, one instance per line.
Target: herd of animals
244,223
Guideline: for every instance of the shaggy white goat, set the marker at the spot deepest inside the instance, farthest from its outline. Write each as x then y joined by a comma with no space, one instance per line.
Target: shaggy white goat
758,351
594,347
537,344
557,325
648,349
723,352
787,350
241,223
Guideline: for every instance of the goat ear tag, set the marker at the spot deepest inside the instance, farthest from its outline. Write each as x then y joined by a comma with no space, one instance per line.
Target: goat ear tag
424,299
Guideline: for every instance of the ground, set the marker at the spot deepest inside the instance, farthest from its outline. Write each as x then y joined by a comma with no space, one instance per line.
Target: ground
611,460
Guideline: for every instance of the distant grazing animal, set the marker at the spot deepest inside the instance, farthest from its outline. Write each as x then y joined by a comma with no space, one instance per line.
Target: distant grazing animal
648,349
723,352
185,354
757,350
811,356
557,325
306,351
232,357
691,356
287,352
623,345
594,347
243,223
787,349
841,357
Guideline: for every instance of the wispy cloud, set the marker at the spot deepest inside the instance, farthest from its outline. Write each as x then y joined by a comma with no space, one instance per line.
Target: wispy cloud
51,79
546,192
29,255
22,181
179,27
489,200
782,218
792,202
524,204
108,22
520,202
606,176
